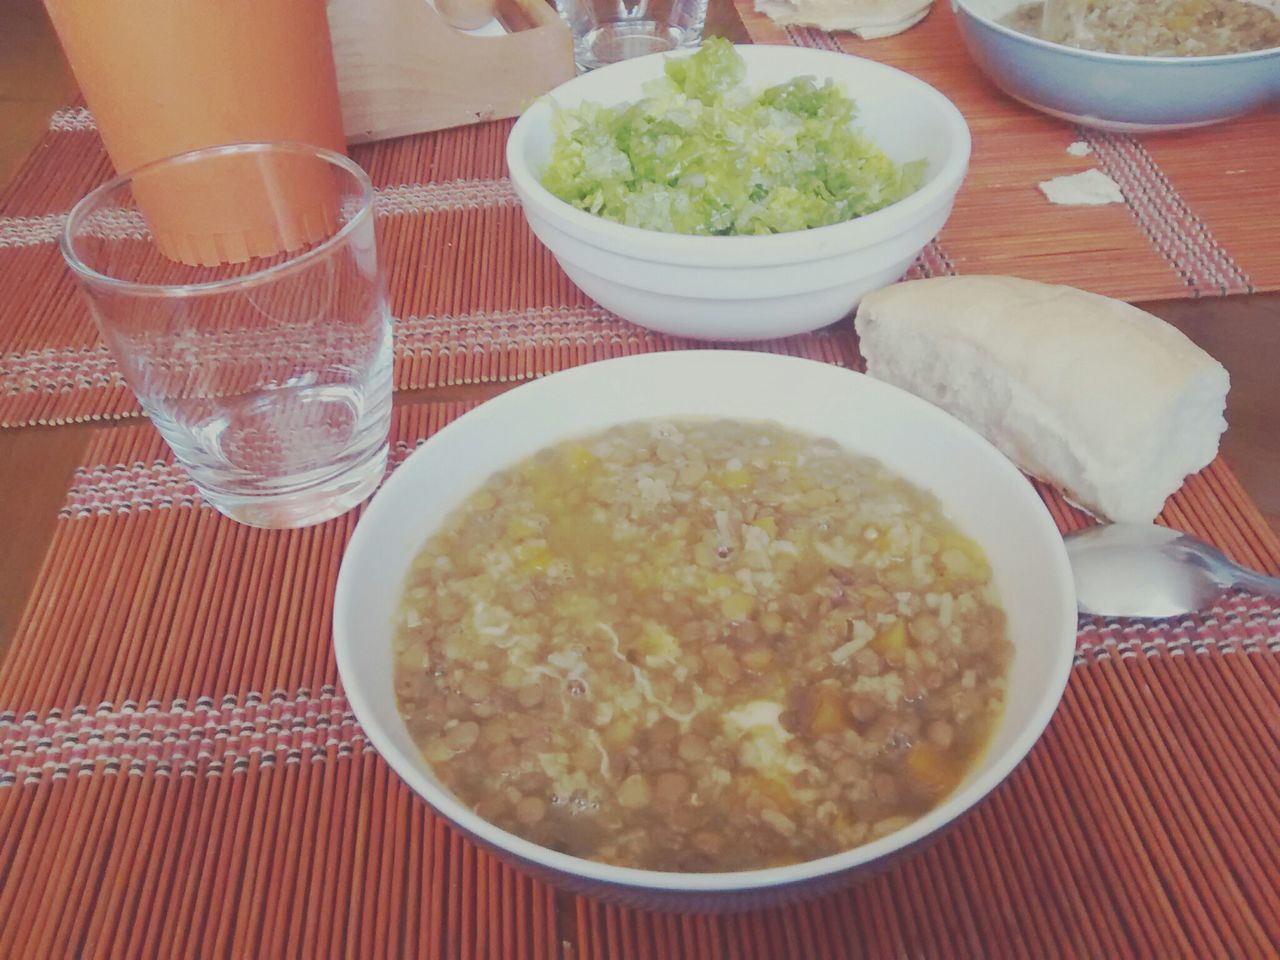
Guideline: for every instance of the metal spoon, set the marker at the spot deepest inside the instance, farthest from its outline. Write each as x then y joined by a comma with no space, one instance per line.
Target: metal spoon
1145,571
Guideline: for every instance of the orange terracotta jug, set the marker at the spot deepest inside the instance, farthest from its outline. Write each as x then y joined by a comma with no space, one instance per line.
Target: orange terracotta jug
163,77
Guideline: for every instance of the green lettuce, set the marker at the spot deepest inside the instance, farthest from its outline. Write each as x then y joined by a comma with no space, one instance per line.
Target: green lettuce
701,154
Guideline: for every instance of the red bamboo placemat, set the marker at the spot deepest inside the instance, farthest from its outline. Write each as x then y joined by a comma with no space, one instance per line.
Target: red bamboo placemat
477,298
182,776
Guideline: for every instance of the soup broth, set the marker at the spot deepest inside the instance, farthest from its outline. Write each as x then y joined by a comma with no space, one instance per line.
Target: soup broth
700,646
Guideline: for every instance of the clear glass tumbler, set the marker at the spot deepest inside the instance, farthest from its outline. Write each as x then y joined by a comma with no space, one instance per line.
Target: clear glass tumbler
606,31
264,359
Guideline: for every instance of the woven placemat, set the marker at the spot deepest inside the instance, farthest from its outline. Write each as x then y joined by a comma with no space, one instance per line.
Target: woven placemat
478,299
181,775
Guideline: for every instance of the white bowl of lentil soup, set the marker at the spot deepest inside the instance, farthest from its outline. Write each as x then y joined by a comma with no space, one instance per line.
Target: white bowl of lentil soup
705,629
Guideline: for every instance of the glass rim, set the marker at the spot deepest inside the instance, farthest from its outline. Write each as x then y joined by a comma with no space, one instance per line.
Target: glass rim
93,201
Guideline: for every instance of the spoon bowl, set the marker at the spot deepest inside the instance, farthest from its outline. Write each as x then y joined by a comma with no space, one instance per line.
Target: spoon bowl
1150,572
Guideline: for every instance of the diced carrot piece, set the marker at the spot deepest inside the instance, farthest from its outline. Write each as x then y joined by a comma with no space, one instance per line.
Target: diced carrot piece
891,638
931,767
829,717
779,793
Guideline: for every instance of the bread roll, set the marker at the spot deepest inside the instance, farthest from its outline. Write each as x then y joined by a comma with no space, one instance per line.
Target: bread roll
869,19
1110,404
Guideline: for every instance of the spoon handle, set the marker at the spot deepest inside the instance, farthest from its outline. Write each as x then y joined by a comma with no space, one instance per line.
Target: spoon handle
1258,583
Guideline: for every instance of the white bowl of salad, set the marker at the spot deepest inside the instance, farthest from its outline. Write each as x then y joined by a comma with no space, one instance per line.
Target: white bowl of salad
738,193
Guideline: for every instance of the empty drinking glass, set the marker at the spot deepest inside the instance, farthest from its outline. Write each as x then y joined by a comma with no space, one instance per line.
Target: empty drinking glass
238,289
606,31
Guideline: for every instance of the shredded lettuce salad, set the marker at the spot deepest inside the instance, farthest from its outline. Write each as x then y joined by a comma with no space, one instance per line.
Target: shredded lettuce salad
702,154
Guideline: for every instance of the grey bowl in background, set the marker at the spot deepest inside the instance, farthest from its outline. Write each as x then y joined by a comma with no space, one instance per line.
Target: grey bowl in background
1125,94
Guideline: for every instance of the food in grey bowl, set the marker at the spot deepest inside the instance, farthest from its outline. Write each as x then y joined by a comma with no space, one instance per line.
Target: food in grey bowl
1151,28
1122,92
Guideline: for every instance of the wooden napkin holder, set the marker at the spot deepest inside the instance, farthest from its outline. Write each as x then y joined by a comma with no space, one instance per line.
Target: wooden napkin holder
403,69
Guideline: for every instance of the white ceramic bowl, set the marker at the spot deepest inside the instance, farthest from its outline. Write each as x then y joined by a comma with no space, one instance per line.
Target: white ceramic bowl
1112,92
747,288
984,493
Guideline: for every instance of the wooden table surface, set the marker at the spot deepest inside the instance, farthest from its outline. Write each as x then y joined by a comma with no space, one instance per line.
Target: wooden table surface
36,463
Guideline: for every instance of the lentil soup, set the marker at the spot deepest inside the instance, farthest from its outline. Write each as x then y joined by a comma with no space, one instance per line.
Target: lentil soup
700,646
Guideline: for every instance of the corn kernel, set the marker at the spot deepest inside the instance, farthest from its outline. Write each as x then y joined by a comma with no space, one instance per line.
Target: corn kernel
767,524
578,459
718,582
737,606
520,529
535,558
967,558
657,641
738,479
634,792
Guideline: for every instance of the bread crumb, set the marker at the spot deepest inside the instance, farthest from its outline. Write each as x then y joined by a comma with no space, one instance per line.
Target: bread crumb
1079,149
1091,188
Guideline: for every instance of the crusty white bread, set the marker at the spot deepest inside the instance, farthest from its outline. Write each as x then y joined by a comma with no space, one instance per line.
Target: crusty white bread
869,19
1110,404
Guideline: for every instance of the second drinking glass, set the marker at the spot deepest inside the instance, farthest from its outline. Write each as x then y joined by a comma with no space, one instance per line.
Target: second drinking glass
606,31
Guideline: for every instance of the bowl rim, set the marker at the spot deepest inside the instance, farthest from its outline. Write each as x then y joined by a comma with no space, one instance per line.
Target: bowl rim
1132,59
737,250
1057,671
